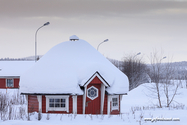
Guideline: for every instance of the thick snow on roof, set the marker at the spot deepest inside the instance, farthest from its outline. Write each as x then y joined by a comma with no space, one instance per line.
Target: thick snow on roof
69,65
14,68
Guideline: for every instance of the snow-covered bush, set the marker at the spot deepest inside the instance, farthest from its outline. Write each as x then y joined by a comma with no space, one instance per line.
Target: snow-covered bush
3,105
12,105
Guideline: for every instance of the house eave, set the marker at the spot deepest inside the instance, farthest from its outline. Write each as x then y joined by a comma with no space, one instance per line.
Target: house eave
117,94
48,94
11,76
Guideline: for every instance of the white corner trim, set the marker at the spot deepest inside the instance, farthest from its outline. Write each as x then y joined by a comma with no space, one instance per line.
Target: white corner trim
74,104
39,97
26,97
84,99
102,97
121,96
57,97
108,103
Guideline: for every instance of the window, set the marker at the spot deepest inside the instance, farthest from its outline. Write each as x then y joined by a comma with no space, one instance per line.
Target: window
92,93
57,103
115,103
9,83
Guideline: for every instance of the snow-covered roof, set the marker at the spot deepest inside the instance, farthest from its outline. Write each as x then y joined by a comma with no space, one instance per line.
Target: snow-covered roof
69,65
14,68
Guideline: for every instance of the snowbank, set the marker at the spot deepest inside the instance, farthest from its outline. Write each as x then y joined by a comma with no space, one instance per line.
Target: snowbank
136,97
142,96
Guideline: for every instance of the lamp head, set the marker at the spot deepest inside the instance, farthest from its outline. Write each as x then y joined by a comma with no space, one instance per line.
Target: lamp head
105,40
139,53
45,24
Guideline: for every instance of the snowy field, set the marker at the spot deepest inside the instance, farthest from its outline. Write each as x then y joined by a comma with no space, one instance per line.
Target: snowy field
136,107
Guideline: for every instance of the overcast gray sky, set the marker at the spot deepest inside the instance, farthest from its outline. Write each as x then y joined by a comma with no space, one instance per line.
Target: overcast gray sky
131,26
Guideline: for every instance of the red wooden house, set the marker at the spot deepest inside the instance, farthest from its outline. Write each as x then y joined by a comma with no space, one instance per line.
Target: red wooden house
73,77
10,72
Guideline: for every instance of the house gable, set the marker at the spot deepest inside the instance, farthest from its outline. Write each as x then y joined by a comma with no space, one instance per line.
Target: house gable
94,95
96,78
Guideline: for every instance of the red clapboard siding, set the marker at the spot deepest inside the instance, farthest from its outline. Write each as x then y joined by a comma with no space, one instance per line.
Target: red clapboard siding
79,104
3,83
70,104
116,112
96,80
16,83
32,103
105,104
94,106
43,104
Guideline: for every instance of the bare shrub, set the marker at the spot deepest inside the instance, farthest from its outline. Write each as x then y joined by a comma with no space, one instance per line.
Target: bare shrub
39,115
48,117
10,112
3,105
141,118
22,112
136,71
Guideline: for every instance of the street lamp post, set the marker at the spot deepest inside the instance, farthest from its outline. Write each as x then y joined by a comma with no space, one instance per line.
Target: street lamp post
45,24
101,43
133,66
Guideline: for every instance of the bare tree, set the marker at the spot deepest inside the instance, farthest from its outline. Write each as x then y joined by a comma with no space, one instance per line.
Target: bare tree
155,73
170,86
136,71
162,76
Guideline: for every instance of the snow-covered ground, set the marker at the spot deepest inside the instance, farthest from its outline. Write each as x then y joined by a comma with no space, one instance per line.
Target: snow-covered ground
136,107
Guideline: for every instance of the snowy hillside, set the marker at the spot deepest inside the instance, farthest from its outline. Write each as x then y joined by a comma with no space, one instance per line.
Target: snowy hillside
136,106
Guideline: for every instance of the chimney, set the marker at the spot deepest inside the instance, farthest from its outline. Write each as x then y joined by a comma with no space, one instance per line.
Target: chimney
73,38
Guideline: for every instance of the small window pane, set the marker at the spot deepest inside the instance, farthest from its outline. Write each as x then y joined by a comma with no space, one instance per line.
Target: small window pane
57,100
114,99
51,100
51,105
57,105
115,104
10,83
63,105
63,100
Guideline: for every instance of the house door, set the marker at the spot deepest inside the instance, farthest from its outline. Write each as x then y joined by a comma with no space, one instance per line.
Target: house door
93,99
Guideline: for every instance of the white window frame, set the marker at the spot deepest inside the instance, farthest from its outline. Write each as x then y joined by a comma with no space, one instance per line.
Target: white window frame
7,82
117,106
66,108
